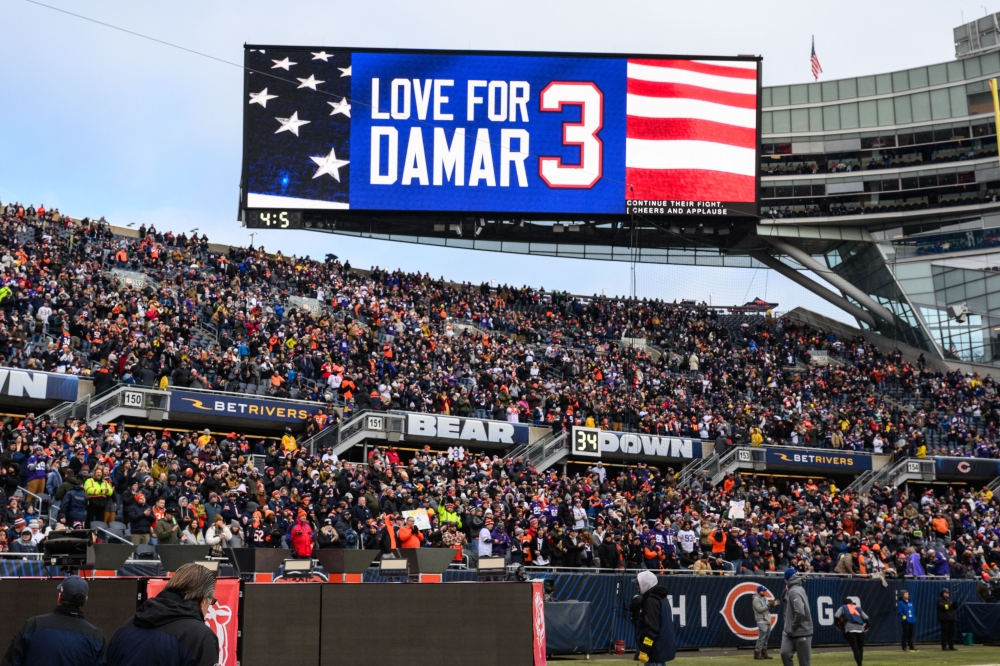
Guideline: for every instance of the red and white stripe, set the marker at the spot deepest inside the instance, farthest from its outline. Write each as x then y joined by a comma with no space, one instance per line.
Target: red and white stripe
691,130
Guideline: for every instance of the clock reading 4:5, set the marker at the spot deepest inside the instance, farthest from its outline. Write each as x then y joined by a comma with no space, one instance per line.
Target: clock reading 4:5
278,219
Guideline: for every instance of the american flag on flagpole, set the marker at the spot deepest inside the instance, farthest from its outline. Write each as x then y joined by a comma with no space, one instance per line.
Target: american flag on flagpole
690,130
814,62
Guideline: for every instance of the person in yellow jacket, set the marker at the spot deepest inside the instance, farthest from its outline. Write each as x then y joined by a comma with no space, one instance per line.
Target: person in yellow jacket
447,514
756,436
288,441
98,492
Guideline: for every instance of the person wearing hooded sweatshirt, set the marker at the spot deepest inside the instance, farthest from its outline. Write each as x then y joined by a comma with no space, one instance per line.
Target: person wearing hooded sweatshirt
655,642
797,633
170,629
762,615
946,614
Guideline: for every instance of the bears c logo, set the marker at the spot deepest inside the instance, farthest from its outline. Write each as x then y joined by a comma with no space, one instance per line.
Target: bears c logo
729,611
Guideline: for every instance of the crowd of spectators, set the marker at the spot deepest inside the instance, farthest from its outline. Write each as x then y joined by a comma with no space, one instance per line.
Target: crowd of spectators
384,339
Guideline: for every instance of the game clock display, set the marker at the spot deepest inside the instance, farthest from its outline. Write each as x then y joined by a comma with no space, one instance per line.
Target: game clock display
274,219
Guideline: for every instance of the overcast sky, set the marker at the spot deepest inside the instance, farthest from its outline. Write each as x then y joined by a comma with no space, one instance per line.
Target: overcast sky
98,122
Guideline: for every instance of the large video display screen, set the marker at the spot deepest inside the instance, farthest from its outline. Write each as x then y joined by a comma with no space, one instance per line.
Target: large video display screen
501,133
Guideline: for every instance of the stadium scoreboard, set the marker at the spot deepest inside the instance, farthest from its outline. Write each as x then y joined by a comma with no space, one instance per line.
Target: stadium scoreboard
354,132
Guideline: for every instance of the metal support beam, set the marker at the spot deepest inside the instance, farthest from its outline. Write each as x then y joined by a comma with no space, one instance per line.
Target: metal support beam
815,287
824,272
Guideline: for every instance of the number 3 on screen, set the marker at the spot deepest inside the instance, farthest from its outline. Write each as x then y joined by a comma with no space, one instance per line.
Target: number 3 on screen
583,134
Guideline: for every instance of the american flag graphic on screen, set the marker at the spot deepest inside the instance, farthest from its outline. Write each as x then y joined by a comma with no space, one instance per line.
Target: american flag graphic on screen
691,130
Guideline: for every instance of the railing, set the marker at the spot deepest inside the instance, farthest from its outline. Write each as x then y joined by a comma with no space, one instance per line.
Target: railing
69,410
35,499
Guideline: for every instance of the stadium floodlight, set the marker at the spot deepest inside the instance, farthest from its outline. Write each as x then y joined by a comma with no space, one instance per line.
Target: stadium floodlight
558,228
298,568
574,227
394,568
491,567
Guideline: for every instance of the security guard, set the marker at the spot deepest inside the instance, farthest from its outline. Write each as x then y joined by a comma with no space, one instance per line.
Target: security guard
61,637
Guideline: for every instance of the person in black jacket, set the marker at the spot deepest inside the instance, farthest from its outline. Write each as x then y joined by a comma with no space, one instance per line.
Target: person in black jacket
654,639
946,607
170,629
607,553
141,520
61,637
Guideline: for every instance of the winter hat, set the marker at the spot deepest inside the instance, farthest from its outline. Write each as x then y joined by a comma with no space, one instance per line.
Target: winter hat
646,580
789,572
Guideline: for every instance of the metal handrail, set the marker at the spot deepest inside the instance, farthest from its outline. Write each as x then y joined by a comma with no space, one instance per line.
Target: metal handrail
36,500
111,534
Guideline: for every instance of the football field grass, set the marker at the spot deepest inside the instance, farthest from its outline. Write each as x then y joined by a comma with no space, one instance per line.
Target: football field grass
926,655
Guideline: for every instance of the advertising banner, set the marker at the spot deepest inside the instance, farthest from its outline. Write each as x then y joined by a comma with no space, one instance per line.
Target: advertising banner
594,442
222,618
242,407
466,429
538,622
957,468
825,458
36,385
529,134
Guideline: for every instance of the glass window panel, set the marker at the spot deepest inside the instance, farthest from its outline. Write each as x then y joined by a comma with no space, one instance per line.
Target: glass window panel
900,81
955,71
800,94
975,288
959,102
910,182
952,278
816,119
947,178
937,74
921,104
972,68
782,121
940,105
990,63
766,191
903,113
765,123
783,190
918,78
831,118
868,113
917,286
815,93
848,88
993,301
818,190
917,270
886,115
829,91
923,137
779,96
800,120
848,116
928,181
890,185
766,97
883,83
801,190
954,295
866,86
